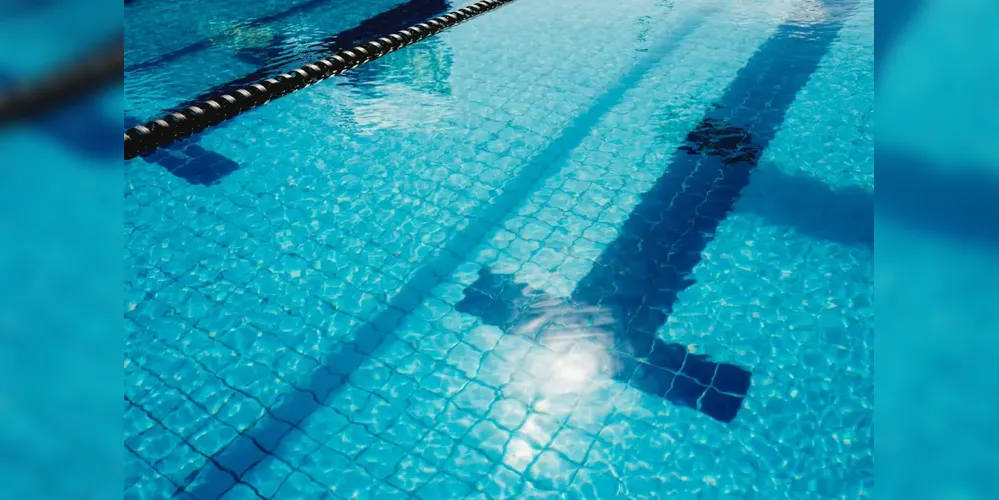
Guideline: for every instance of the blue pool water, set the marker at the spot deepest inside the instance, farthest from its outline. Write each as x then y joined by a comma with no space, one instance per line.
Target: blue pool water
618,250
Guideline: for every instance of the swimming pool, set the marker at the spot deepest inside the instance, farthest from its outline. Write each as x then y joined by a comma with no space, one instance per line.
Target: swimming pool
608,251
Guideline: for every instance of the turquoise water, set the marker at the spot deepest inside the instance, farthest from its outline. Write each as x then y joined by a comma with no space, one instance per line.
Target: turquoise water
534,256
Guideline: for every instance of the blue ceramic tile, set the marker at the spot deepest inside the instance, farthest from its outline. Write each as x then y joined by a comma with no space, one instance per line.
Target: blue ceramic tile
443,486
618,255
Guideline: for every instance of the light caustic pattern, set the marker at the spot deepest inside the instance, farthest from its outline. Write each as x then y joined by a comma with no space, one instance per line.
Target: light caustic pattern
368,304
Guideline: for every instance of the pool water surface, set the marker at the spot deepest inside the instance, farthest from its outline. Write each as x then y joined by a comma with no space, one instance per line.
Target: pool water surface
607,251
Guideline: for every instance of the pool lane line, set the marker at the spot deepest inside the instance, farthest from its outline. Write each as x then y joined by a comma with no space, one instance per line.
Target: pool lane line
962,196
206,43
204,167
853,205
67,107
71,81
636,281
295,405
143,139
276,58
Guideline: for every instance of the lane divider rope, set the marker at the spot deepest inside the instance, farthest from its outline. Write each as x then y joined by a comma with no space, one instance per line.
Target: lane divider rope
75,79
144,139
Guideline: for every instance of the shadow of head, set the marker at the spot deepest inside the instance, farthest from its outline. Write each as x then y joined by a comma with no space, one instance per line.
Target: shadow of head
715,137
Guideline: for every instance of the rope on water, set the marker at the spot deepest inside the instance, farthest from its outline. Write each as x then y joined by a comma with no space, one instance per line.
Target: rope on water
144,139
73,80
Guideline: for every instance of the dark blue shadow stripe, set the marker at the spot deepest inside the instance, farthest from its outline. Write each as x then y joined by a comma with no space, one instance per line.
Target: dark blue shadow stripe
255,446
82,126
947,201
640,274
813,208
956,203
188,160
11,8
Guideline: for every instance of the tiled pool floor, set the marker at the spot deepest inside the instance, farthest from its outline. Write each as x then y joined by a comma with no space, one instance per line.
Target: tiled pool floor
296,327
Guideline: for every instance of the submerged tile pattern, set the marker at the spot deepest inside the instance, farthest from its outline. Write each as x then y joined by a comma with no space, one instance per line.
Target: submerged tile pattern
292,331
